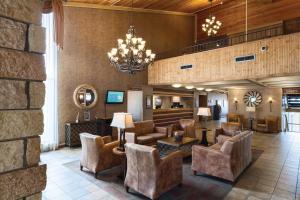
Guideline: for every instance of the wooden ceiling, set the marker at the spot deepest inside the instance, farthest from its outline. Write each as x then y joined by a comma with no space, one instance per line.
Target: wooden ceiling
186,6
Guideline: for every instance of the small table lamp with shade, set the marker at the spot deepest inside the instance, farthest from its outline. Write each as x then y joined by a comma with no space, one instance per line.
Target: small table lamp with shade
122,121
204,111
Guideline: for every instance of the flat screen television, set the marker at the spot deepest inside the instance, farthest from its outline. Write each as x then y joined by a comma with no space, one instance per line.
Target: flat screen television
114,97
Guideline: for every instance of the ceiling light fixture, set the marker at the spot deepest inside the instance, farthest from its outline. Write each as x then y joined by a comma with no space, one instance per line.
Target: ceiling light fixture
189,87
130,55
208,90
211,25
200,89
176,85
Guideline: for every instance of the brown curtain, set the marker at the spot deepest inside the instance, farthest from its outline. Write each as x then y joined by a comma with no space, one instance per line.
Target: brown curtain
56,6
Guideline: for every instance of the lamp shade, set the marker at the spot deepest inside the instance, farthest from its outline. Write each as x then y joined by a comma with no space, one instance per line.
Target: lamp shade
204,111
122,120
176,99
250,109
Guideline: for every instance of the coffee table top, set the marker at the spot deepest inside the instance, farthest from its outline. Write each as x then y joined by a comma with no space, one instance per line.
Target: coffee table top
171,141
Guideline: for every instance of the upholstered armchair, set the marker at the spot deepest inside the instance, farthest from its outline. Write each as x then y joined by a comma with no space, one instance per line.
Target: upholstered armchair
226,159
228,129
149,174
268,125
186,127
236,119
97,153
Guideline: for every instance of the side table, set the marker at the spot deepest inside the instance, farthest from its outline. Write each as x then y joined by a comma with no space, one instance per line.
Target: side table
204,141
122,154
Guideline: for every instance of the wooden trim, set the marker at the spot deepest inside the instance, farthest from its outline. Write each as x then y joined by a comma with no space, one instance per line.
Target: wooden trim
121,8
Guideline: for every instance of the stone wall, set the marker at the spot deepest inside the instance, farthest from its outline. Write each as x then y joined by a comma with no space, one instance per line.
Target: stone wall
22,92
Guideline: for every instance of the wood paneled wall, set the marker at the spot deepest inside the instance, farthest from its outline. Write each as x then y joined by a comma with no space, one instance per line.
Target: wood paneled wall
281,58
232,14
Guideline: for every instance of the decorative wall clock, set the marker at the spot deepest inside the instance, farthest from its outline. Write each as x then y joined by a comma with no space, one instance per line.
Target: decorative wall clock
252,98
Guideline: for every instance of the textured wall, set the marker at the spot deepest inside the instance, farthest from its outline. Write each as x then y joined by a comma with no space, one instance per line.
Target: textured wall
263,110
22,91
90,34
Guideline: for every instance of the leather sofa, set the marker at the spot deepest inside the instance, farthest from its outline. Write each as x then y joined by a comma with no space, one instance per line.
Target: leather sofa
269,124
236,119
97,153
186,127
149,174
227,159
145,133
228,129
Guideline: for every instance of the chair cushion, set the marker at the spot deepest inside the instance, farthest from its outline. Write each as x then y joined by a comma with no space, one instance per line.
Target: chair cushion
145,139
227,147
157,135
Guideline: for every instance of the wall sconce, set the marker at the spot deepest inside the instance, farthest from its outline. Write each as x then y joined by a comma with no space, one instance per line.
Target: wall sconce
270,102
236,103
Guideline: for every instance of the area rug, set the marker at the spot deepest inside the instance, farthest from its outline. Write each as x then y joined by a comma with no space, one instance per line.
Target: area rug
193,187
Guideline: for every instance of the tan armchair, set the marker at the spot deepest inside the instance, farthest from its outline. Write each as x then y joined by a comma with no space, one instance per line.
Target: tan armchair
268,125
227,159
186,127
236,119
97,153
228,129
149,174
145,133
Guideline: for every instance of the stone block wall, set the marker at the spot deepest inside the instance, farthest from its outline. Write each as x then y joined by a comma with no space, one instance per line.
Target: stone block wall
22,93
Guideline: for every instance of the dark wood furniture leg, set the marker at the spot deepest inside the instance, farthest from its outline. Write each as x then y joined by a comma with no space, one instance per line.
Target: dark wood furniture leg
204,138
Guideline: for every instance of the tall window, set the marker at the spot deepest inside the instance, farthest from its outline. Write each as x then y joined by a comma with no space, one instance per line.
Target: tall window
49,139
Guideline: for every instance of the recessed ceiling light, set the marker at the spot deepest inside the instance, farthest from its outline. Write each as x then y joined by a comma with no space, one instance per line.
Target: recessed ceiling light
189,87
200,89
208,90
176,85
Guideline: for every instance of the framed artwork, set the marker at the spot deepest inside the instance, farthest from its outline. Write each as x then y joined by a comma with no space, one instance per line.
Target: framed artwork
149,102
86,116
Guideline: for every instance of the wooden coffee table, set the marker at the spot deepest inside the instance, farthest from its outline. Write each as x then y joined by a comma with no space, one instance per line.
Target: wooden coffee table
168,145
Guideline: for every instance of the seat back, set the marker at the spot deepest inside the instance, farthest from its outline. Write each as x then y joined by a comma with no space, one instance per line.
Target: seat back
230,129
91,148
142,128
142,167
186,122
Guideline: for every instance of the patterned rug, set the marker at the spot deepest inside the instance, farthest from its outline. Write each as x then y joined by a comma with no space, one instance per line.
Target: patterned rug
193,187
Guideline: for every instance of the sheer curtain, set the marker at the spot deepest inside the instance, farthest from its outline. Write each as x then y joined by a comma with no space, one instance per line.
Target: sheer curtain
49,139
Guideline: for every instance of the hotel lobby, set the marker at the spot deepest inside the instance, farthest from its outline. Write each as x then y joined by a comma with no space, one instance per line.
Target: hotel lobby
149,99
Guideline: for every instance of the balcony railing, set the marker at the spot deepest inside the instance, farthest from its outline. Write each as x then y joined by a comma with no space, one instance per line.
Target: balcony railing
287,27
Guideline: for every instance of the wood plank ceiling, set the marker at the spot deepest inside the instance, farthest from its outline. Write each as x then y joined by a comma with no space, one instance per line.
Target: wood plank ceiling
186,6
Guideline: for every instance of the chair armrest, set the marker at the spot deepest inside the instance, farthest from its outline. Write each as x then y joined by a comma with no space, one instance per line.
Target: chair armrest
206,150
130,137
106,139
170,157
162,130
111,145
222,138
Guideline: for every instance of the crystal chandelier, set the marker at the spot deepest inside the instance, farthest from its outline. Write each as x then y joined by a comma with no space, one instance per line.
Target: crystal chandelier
130,55
211,26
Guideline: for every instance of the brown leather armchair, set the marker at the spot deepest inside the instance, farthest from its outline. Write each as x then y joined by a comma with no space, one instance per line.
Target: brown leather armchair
151,175
268,125
97,153
228,129
186,127
236,119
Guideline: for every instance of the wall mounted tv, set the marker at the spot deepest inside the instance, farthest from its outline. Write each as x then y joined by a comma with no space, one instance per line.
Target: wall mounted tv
114,97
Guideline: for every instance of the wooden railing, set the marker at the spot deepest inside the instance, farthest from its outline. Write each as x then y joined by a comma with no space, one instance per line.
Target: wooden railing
286,27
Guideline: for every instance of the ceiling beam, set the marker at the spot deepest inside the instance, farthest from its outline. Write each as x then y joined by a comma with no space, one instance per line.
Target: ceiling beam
256,82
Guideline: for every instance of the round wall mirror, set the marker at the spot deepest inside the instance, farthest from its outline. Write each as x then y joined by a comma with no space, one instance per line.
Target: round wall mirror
252,98
85,96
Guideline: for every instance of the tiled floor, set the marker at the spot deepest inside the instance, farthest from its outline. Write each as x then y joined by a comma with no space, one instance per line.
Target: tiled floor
273,176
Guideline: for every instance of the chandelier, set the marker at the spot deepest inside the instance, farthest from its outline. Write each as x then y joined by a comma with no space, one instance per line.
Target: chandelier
130,55
211,26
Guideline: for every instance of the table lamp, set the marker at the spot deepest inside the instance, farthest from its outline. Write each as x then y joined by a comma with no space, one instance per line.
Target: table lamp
122,121
205,112
251,110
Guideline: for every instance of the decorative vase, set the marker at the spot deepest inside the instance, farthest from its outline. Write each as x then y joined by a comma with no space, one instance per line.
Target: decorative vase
178,136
